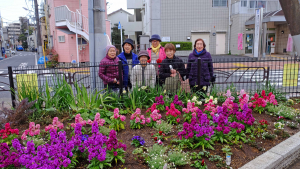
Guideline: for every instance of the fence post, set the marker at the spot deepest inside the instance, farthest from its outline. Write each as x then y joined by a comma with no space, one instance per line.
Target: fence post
12,86
120,68
268,74
199,72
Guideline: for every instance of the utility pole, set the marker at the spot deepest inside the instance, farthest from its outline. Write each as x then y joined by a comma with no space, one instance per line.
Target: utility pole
97,37
46,7
39,40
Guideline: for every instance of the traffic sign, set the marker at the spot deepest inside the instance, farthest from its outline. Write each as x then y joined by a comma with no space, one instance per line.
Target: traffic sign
119,26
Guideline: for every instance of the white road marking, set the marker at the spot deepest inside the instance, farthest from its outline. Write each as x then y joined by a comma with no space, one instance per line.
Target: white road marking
1,72
2,86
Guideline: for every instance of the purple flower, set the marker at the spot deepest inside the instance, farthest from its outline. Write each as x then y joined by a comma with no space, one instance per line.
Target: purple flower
115,153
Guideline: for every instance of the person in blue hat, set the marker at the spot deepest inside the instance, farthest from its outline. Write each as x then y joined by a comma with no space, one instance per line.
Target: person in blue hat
129,60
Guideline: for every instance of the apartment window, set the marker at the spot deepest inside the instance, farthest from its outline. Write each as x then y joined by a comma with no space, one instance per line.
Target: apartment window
61,38
243,3
219,3
82,41
138,15
257,4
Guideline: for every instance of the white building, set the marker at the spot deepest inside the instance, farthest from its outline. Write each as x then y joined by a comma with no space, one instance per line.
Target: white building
218,22
131,23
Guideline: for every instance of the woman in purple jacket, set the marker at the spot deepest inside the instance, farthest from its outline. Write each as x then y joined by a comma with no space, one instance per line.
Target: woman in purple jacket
207,70
108,69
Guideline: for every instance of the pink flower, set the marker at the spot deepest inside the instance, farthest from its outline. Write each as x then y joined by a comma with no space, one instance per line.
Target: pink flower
137,119
158,121
142,117
90,122
143,122
178,120
194,114
116,111
148,120
123,118
212,113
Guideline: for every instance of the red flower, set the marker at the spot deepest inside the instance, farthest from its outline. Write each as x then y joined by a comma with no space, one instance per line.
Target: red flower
155,138
152,134
202,163
158,61
164,134
160,132
149,61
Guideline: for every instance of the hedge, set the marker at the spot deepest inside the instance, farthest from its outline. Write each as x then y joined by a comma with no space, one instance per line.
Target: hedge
183,45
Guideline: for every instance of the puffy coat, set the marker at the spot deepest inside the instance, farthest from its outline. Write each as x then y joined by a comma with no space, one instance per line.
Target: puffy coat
108,69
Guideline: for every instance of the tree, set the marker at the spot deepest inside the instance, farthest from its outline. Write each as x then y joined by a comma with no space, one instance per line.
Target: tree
291,10
22,38
24,45
116,35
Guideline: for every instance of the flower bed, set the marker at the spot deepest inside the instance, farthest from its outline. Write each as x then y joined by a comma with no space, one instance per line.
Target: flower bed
172,131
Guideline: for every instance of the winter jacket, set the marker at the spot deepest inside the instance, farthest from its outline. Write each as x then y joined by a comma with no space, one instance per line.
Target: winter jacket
125,63
136,76
162,54
177,64
108,70
207,70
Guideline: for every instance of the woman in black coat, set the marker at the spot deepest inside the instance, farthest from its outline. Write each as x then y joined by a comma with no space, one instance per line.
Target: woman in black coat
171,65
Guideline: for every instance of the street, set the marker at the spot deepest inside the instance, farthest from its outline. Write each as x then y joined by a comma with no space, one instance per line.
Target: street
21,58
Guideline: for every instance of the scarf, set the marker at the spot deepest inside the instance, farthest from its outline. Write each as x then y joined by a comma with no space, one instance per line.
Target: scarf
156,50
198,53
128,55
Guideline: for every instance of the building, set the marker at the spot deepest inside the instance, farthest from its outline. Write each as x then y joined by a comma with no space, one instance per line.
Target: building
64,26
14,30
31,40
44,35
218,22
131,23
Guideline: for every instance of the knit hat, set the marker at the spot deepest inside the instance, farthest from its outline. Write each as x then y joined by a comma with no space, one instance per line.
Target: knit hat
130,41
108,47
143,53
155,37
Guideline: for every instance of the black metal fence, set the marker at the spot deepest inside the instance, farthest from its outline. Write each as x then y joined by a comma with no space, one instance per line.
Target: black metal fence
243,73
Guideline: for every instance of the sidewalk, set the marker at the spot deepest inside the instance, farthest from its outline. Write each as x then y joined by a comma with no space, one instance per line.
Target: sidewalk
7,102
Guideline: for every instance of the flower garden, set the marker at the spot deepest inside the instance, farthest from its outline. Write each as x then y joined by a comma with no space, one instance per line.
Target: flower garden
144,128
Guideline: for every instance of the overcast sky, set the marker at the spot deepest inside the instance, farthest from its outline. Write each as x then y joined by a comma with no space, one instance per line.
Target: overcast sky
11,10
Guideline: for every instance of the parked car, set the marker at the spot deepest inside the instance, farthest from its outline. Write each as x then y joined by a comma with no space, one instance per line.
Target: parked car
33,49
19,48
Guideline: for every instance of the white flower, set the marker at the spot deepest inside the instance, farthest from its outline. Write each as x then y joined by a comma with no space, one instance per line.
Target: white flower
211,97
194,99
139,90
124,91
204,87
199,103
189,100
50,89
165,91
144,87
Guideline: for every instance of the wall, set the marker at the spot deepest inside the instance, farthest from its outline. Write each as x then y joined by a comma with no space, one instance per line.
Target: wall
238,26
146,18
63,48
123,18
281,39
179,18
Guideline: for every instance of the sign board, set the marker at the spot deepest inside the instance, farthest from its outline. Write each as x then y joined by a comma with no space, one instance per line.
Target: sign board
166,39
240,41
119,26
273,44
177,45
258,21
27,82
290,75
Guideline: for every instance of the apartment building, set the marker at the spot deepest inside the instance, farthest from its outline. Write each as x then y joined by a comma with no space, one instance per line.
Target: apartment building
218,22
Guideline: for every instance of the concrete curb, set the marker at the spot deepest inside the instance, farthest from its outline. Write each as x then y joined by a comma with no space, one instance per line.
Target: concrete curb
280,156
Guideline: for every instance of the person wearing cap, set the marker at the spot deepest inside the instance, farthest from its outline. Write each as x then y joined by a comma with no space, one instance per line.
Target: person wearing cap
108,69
129,60
143,74
156,53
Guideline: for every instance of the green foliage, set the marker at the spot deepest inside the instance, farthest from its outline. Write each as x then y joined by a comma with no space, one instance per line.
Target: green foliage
267,135
215,158
183,45
164,127
178,158
116,36
282,110
293,125
8,139
219,136
227,150
156,157
96,164
104,130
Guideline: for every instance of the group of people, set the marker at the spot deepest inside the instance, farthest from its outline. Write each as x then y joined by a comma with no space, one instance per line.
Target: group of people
153,66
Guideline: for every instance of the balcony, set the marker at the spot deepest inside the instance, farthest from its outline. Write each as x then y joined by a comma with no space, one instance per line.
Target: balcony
135,4
135,26
249,6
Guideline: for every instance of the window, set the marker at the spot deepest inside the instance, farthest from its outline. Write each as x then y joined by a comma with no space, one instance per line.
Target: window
138,15
244,3
257,4
82,41
219,3
61,38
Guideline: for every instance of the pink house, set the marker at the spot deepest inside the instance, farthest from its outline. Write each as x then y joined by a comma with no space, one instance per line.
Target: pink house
67,18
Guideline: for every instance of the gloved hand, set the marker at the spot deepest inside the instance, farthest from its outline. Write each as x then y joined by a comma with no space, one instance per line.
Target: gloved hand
213,79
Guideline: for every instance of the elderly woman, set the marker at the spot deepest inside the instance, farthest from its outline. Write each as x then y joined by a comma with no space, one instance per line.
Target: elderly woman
129,60
156,52
207,70
108,69
143,74
172,64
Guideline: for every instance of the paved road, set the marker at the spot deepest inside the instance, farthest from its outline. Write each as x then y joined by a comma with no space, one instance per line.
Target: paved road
20,59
